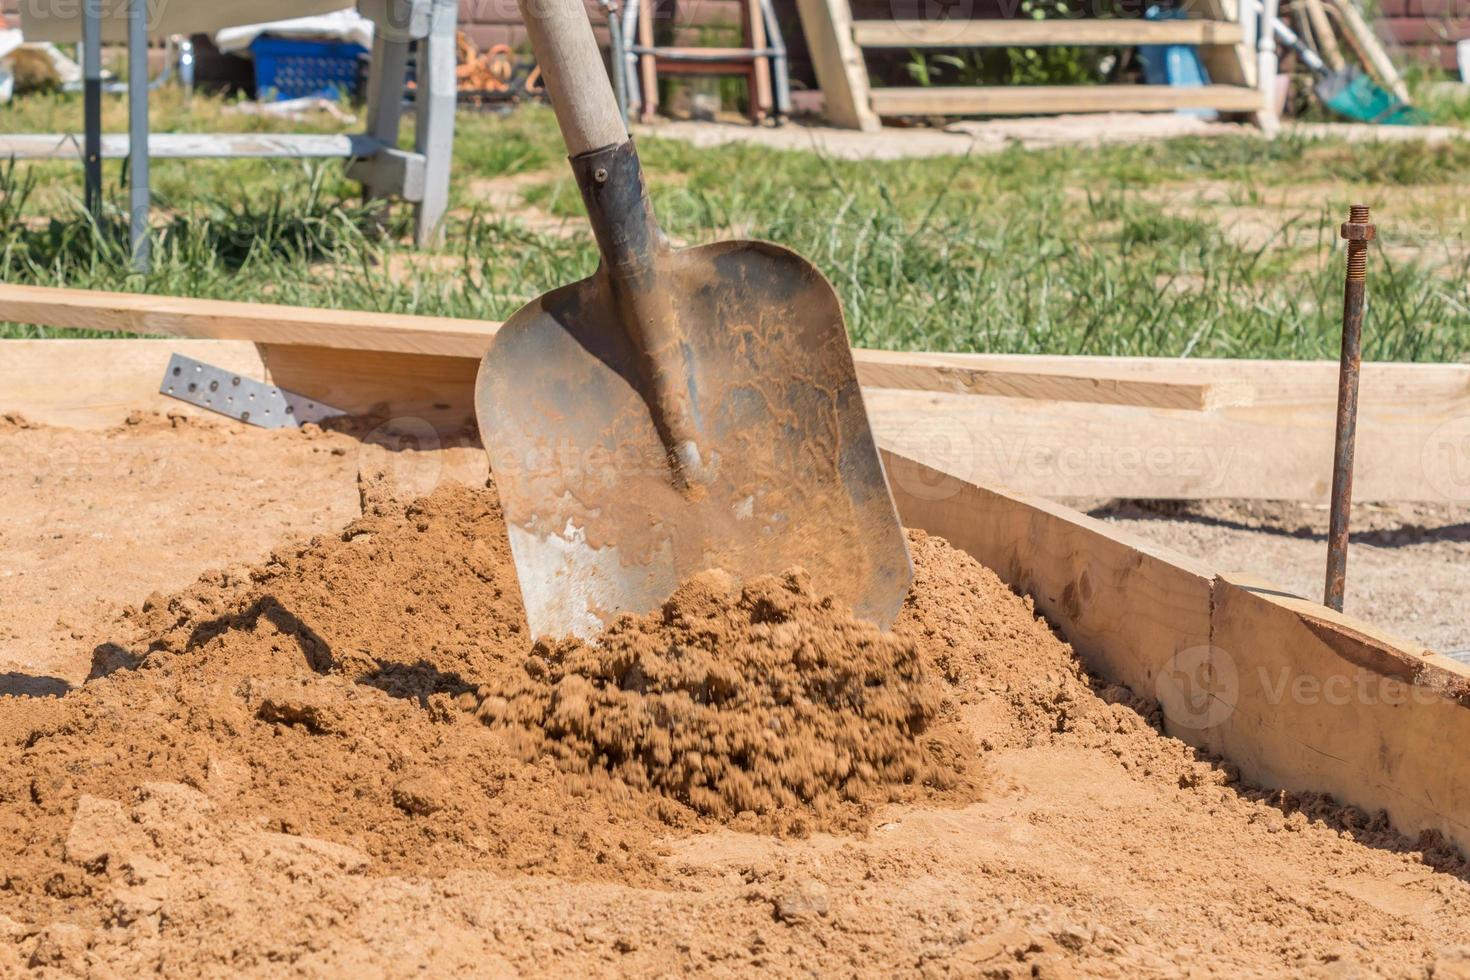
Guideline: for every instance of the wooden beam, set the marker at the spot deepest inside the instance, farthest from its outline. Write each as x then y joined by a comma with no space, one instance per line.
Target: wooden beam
841,72
973,33
1295,695
1012,100
1325,703
961,374
399,333
1242,381
1408,450
94,384
260,322
1059,426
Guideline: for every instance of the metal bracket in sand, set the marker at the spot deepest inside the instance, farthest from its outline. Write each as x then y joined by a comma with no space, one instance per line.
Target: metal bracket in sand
245,399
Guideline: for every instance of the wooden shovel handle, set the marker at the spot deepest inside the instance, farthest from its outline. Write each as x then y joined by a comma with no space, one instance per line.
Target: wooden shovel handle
572,70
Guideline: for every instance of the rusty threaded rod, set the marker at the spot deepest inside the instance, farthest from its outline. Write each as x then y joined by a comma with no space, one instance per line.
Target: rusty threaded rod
1358,231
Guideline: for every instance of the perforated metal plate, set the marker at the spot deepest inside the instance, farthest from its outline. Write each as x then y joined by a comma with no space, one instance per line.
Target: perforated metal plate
239,397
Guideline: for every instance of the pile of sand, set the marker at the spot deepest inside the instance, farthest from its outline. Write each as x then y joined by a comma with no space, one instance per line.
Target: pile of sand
765,701
275,769
323,694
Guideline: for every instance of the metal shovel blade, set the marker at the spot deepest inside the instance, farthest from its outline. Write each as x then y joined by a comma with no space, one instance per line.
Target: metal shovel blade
600,525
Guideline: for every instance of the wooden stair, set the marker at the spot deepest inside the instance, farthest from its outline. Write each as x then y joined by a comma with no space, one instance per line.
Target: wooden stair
1039,33
837,43
1033,100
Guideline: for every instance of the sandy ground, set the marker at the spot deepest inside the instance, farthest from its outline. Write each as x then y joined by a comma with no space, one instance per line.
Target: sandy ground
97,520
1406,564
272,793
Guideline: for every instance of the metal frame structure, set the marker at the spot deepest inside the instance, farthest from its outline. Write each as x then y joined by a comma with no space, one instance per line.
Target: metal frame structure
420,175
629,55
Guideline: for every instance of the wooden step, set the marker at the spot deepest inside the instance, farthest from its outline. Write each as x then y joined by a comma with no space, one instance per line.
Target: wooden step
1027,100
1040,33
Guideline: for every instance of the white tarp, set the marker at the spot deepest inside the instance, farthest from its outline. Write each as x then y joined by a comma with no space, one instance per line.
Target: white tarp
340,25
60,21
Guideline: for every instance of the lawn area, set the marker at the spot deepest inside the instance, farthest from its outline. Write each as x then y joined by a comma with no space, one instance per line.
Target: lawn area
1225,247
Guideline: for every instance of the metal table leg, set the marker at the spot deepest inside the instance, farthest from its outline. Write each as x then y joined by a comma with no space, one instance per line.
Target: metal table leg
435,99
92,106
138,133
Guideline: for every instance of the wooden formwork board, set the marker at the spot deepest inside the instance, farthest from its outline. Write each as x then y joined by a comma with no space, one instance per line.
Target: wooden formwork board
1060,426
355,330
89,384
1297,696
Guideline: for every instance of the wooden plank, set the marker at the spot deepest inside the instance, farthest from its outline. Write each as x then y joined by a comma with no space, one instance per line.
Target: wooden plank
1418,452
1126,606
1295,695
427,392
196,146
259,322
1319,702
94,384
469,338
1010,100
841,73
1254,382
958,374
975,33
91,384
1067,426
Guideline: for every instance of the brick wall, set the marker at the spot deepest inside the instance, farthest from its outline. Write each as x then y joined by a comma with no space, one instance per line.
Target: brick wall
490,22
1424,30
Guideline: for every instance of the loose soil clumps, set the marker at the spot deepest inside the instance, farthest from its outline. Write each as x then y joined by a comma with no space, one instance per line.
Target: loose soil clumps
766,702
279,770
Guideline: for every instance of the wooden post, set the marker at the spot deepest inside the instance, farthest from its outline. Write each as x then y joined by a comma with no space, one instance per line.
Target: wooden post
838,61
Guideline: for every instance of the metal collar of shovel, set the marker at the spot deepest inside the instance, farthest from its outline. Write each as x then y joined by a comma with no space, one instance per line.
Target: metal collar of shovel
633,248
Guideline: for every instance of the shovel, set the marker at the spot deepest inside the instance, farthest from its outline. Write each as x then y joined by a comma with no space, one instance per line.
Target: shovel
1348,92
678,410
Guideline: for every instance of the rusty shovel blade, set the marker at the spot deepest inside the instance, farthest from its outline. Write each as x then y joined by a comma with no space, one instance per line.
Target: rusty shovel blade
770,463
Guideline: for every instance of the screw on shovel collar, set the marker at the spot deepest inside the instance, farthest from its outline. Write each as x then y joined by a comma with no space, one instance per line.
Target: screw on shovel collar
1358,231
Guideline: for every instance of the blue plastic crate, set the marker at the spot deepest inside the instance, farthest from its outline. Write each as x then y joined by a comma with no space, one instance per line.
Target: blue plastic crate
290,68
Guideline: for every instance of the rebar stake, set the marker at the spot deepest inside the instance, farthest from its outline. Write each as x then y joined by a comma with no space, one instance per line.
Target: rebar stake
1358,232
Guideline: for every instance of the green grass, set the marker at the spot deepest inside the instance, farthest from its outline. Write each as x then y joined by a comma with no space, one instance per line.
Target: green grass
1198,247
